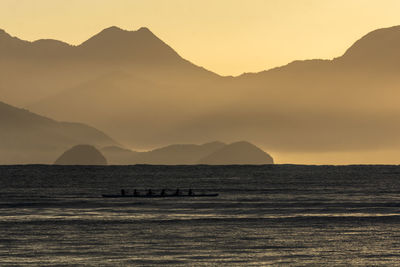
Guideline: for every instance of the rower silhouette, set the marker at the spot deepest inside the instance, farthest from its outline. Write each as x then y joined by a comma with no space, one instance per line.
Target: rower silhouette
163,192
190,192
122,192
135,192
177,192
149,193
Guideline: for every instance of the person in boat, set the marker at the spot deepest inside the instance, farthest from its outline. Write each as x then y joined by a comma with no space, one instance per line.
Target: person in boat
162,192
177,192
149,193
190,192
122,192
135,192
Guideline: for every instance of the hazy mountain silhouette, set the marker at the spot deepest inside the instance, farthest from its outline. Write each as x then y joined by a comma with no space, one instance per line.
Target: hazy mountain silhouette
53,66
141,46
81,155
214,153
377,49
182,154
237,153
138,89
116,155
29,138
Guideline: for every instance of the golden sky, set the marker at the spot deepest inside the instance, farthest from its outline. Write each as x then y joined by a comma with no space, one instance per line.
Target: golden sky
226,36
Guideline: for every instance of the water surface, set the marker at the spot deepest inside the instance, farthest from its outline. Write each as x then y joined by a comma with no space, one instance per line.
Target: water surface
281,214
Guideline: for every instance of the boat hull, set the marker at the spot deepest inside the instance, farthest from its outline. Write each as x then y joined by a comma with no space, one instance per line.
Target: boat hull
158,196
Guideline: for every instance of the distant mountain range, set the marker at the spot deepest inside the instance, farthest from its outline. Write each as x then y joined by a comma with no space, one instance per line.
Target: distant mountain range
181,154
215,153
139,90
49,67
29,138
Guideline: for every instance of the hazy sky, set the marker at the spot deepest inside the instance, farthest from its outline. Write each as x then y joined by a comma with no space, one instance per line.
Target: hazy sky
225,36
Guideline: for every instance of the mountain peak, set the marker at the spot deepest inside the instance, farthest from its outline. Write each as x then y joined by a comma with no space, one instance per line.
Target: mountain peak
112,32
380,45
81,155
241,152
113,29
114,43
50,43
115,33
144,29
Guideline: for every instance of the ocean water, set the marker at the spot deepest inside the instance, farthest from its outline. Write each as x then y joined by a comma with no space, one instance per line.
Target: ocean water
264,215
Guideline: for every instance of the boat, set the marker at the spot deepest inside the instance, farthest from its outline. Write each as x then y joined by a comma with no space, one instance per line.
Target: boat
158,196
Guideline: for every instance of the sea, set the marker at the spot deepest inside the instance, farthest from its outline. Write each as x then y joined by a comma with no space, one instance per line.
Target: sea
288,215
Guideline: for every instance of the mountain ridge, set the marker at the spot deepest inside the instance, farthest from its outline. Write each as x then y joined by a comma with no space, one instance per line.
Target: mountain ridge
50,66
111,39
312,105
381,34
211,153
26,137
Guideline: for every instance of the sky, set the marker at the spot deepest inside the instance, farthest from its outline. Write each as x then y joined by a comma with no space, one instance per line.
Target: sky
228,37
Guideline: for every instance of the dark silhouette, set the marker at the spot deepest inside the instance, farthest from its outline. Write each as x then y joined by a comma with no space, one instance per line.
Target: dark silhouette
177,192
122,192
162,192
149,192
81,155
136,193
190,193
162,196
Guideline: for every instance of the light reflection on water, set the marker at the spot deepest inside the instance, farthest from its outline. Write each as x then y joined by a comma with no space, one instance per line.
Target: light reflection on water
264,215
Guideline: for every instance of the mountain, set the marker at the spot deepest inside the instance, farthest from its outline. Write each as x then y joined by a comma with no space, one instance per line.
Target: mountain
141,46
377,49
138,89
319,106
110,45
177,154
116,155
26,137
214,153
81,155
238,153
49,67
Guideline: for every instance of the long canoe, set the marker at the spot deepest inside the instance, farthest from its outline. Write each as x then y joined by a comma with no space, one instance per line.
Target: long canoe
159,196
